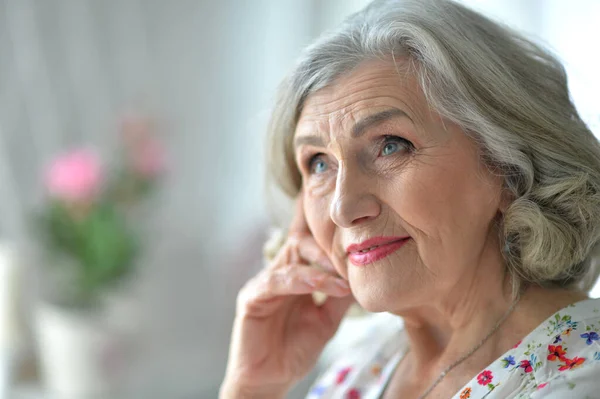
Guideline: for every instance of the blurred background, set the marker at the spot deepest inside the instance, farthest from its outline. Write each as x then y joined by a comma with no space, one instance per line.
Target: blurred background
202,75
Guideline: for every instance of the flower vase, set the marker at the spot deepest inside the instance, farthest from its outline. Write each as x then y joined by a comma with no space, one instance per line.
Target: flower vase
84,354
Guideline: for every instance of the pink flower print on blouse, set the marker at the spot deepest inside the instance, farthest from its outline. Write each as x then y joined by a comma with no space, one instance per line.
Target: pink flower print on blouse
353,394
342,374
517,344
485,377
526,366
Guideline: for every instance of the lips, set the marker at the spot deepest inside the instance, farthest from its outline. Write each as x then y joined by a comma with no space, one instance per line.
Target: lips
374,249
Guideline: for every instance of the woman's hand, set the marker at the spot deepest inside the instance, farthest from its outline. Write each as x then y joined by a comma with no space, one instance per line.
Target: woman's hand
279,332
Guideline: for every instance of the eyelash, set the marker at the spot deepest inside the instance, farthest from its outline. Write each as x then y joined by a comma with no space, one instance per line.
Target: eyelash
386,139
311,160
396,139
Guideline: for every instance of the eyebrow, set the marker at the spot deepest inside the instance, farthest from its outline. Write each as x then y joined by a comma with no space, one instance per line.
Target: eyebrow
358,130
372,120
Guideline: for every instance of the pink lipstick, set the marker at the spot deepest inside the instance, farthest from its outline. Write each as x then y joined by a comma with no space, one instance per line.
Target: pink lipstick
374,249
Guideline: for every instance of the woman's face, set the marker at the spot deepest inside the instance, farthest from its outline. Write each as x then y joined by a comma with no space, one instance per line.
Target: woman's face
378,163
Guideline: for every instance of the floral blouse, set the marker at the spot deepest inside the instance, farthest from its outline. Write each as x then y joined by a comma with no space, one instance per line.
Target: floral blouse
559,359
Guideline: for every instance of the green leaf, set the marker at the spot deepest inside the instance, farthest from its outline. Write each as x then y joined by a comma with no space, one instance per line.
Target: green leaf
110,246
537,365
97,249
58,230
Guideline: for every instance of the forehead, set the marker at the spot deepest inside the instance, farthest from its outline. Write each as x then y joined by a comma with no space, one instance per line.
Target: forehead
372,87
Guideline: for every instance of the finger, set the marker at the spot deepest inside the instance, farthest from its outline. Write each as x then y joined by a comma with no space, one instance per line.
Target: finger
301,279
298,226
301,238
311,252
295,280
288,254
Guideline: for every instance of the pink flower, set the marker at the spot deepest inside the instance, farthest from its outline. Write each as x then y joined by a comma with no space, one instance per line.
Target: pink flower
542,385
75,176
485,377
148,158
135,127
146,154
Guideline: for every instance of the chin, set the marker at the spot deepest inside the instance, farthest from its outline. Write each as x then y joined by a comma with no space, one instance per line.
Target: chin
379,289
373,301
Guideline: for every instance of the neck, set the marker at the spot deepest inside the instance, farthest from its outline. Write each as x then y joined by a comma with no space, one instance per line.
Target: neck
442,331
439,336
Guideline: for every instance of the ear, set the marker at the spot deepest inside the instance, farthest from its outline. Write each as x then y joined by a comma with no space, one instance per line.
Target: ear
506,199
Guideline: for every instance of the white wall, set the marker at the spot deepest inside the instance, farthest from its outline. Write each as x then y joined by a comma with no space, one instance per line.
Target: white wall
207,70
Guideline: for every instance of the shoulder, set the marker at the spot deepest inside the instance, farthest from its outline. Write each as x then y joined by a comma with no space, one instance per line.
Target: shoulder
563,355
559,359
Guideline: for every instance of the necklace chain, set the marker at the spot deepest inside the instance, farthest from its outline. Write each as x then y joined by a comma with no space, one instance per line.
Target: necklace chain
468,354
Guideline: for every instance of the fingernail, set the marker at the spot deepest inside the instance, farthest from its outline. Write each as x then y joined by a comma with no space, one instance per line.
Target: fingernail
342,284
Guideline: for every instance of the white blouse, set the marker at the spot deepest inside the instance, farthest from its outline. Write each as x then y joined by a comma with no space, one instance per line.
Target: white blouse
559,359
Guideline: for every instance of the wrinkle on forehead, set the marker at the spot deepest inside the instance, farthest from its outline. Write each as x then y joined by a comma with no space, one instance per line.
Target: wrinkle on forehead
372,87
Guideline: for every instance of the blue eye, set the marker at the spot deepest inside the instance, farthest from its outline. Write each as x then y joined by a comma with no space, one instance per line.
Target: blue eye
389,148
393,144
317,164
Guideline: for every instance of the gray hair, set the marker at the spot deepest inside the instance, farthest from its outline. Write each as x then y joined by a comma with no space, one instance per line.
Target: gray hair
507,93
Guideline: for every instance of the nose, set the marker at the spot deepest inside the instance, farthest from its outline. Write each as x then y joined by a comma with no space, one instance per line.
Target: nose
353,202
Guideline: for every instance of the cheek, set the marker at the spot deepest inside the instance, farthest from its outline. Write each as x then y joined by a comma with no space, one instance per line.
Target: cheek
419,197
319,187
448,209
324,231
316,209
466,200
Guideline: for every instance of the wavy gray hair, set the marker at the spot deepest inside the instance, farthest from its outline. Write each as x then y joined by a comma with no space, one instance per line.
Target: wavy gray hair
507,93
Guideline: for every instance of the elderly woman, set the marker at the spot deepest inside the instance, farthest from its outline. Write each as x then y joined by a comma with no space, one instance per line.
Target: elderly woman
442,174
